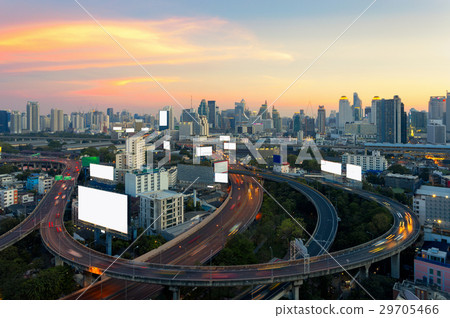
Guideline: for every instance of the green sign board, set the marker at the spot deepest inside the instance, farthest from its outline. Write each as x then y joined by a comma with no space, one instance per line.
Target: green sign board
86,161
58,177
67,178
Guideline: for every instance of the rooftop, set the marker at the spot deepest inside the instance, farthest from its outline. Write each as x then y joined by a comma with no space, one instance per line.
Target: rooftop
434,191
160,195
404,176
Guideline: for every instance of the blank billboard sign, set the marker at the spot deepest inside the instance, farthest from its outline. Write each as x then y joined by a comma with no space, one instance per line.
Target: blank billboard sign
101,171
117,128
103,208
229,146
331,167
166,145
221,177
163,115
203,151
224,138
221,166
354,172
129,130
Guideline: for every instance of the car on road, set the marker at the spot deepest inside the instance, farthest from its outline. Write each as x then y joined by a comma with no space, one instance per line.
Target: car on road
58,229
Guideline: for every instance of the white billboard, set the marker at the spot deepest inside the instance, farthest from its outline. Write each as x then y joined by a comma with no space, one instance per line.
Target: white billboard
129,130
224,138
331,167
354,172
117,128
166,145
229,146
221,166
203,151
101,171
103,208
163,115
221,177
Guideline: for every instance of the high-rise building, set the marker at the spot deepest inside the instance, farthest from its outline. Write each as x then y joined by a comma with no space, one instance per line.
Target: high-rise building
345,112
447,112
276,119
137,182
203,125
357,107
16,123
309,128
263,113
296,123
134,155
166,120
56,120
418,120
212,114
436,133
436,107
203,109
110,113
77,121
33,120
4,121
373,109
321,119
391,121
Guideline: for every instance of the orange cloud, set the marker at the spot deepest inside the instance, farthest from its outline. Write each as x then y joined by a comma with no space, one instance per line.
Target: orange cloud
81,45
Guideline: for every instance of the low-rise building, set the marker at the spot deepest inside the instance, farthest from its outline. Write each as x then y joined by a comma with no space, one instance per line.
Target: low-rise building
8,197
160,210
6,179
402,181
138,182
432,265
26,198
432,205
375,162
45,184
281,167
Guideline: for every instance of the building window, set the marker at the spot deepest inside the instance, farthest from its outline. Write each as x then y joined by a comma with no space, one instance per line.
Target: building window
431,271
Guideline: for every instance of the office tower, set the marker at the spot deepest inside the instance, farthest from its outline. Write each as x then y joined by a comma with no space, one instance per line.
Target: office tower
367,113
391,121
436,108
447,112
188,115
166,120
186,130
309,128
170,118
4,121
263,113
239,111
212,114
33,120
44,123
204,127
357,107
418,120
373,110
203,109
56,120
321,118
66,122
436,132
77,121
110,113
16,123
297,124
276,119
134,156
345,112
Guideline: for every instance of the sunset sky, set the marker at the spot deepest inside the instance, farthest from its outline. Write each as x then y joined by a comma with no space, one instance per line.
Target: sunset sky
53,52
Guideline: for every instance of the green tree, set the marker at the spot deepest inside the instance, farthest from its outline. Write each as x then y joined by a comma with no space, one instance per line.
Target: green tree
91,152
289,230
397,168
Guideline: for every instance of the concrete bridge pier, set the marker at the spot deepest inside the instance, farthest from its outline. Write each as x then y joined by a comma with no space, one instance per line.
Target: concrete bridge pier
364,271
58,261
108,243
87,279
395,266
176,292
296,289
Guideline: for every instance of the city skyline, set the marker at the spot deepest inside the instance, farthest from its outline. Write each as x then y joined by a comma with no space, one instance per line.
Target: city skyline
220,52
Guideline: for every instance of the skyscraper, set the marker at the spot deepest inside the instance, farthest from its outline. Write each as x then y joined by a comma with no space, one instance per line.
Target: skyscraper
33,124
357,107
321,118
110,113
345,112
3,121
391,121
297,124
447,112
212,114
373,110
263,113
418,120
16,123
436,108
276,119
239,111
203,109
56,120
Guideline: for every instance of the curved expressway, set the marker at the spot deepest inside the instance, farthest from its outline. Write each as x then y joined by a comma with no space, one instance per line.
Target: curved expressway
403,233
33,221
